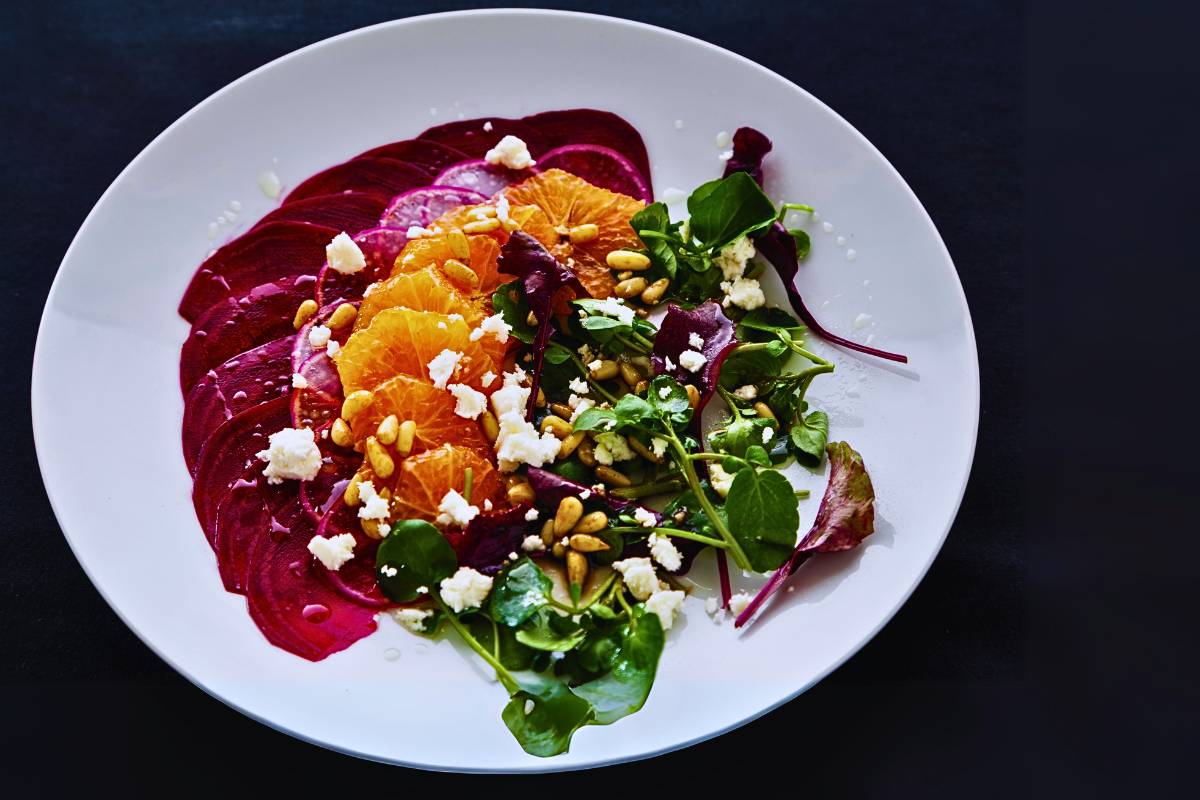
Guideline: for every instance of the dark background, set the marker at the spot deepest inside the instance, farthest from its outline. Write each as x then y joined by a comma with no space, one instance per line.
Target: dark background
1046,651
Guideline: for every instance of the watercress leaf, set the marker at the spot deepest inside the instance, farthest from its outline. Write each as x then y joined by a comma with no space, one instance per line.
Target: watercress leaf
756,454
803,242
734,207
754,366
595,419
552,632
554,715
573,470
632,410
512,654
668,400
557,354
418,554
740,435
624,689
598,323
518,592
762,324
655,218
763,516
808,437
509,300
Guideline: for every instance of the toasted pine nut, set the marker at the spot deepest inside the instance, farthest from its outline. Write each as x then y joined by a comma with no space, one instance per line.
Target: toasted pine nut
482,226
624,276
548,532
577,567
355,403
645,452
520,493
630,288
641,387
582,234
586,453
655,291
612,477
627,260
556,425
570,509
570,444
763,410
342,316
586,543
304,313
341,434
371,527
380,461
558,550
460,273
459,244
388,430
604,370
531,320
405,434
541,398
629,374
352,497
590,523
693,395
490,425
561,409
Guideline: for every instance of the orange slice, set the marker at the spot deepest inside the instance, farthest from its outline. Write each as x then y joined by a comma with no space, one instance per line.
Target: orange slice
423,290
425,479
435,251
431,408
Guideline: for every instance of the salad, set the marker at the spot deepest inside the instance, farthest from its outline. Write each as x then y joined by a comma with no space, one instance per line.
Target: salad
480,383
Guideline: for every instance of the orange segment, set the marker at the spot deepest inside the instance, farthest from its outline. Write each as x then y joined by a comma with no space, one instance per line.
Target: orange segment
425,479
566,201
434,251
401,341
431,408
424,290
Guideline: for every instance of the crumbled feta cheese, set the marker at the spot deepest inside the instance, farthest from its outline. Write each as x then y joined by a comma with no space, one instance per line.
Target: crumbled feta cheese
465,589
442,324
712,605
299,381
417,232
579,386
455,510
638,574
664,551
585,353
412,619
455,317
664,605
487,126
512,556
645,518
510,151
594,365
443,366
291,453
696,341
691,360
720,479
502,209
318,336
767,435
373,506
862,321
611,447
333,348
495,325
532,544
613,307
344,255
664,392
743,293
470,402
519,442
334,551
738,603
585,494
487,379
668,364
389,571
747,392
658,446
531,515
487,504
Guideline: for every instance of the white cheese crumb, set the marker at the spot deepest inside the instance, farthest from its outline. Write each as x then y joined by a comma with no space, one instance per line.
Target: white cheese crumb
613,307
412,619
531,515
720,479
691,360
664,392
417,232
664,605
658,446
743,293
470,402
334,551
502,208
487,504
510,151
512,556
333,348
389,571
638,574
664,551
862,321
738,603
487,379
532,544
696,341
291,453
494,325
299,381
373,506
465,589
487,126
645,518
612,447
747,392
344,255
594,365
733,257
318,336
442,367
442,324
668,364
767,435
455,510
579,386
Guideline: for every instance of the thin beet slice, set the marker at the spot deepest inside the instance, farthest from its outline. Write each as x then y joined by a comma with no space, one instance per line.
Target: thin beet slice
482,177
422,206
245,380
590,126
427,155
320,494
345,211
707,321
599,166
235,326
318,402
470,136
385,176
356,579
242,517
303,349
264,255
229,452
380,247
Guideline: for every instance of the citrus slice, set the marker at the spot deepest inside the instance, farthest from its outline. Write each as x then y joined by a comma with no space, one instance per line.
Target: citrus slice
425,479
435,251
423,290
431,408
565,202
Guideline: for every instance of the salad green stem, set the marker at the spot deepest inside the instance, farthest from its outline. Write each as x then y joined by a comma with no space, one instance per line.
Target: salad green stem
689,473
579,609
675,533
647,489
578,362
468,483
503,675
719,457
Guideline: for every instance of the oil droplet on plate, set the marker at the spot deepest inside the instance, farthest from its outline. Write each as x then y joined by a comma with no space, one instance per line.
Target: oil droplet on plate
268,183
391,654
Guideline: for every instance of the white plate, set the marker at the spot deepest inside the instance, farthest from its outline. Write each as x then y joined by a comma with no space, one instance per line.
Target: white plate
107,408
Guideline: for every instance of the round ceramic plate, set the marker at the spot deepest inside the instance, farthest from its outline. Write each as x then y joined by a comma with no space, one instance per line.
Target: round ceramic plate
107,408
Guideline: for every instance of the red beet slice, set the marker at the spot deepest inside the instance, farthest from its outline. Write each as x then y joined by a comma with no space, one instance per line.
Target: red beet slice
319,402
356,579
346,211
422,206
242,517
469,136
600,166
380,247
590,126
264,255
266,312
424,154
303,349
385,176
245,380
320,494
482,177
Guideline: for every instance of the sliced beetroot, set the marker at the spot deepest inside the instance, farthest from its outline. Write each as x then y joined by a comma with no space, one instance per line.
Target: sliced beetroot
380,247
318,402
345,211
229,452
242,517
426,155
707,321
470,136
320,494
303,350
264,255
385,176
422,206
355,581
589,126
599,166
482,177
247,379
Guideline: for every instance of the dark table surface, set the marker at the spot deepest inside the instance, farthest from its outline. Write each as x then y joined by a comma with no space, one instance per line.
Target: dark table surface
974,104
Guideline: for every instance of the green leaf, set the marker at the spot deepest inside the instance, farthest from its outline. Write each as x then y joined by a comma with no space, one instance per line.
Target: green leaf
552,632
595,419
754,366
655,218
512,654
509,300
631,410
518,592
803,243
554,716
763,516
757,454
625,688
674,406
762,325
809,436
557,354
420,557
573,470
727,209
741,434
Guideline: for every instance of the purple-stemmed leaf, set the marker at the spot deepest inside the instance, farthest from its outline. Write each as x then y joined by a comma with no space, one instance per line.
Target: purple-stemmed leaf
750,147
675,337
550,488
490,537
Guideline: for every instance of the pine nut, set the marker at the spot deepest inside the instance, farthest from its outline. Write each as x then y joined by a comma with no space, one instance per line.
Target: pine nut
570,509
561,409
381,463
352,497
558,550
541,398
342,316
459,244
693,395
520,493
304,313
556,425
763,410
388,430
577,567
655,291
582,234
490,425
612,477
605,370
570,444
531,320
624,276
548,533
586,453
641,387
586,543
630,288
341,434
629,374
371,527
627,260
590,523
482,226
355,403
645,452
460,273
405,435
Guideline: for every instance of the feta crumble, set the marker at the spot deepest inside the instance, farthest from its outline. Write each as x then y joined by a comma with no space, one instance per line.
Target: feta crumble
668,364
612,447
334,551
417,232
664,551
645,518
344,255
658,446
613,307
291,453
664,392
734,256
518,441
494,325
664,605
389,571
747,392
579,386
470,402
465,589
696,341
487,126
738,603
720,479
299,381
532,544
487,379
712,606
691,360
318,336
373,506
743,293
531,515
455,510
443,366
333,348
511,152
411,619
767,435
638,574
